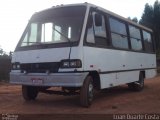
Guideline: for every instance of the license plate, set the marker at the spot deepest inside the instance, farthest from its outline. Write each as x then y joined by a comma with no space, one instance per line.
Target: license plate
37,80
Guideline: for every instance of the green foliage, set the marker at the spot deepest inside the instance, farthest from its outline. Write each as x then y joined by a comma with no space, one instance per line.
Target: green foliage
5,64
133,19
4,55
151,19
148,16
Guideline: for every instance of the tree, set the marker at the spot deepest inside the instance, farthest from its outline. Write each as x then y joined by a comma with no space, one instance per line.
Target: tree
1,51
4,55
133,19
151,19
5,64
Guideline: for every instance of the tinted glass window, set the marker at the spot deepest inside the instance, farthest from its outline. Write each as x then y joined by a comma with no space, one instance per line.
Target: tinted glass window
51,33
117,27
147,41
96,32
90,35
90,32
134,32
119,41
136,44
31,37
118,34
135,38
53,26
100,30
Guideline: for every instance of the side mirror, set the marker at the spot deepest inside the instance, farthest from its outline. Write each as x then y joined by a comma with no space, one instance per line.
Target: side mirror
98,19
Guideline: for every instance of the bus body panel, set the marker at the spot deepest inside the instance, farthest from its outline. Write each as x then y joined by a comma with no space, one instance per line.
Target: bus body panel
51,80
108,60
46,55
119,78
61,78
118,67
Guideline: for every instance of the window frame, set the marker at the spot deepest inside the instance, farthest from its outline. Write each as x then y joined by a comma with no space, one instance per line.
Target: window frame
108,31
49,46
127,36
85,43
152,40
141,38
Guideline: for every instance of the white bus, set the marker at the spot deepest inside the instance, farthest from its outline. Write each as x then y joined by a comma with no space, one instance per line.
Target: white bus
81,48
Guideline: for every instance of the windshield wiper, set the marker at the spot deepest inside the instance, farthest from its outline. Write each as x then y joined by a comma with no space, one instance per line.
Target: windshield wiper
69,41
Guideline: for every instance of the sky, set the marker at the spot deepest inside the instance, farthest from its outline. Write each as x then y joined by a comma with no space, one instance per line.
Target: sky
14,14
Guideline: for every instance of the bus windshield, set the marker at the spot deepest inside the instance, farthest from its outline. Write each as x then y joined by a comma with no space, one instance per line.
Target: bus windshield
54,26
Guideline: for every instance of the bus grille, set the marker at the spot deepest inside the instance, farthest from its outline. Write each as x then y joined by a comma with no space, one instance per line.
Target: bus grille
40,67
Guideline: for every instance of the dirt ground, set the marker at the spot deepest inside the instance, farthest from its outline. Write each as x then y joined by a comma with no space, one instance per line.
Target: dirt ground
117,100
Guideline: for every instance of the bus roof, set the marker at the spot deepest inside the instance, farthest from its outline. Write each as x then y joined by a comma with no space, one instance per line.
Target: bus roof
104,10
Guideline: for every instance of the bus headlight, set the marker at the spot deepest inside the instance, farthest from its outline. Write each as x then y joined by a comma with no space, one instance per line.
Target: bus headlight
16,66
73,63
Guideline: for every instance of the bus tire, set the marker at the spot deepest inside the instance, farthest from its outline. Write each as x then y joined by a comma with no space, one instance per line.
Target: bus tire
29,92
138,85
87,92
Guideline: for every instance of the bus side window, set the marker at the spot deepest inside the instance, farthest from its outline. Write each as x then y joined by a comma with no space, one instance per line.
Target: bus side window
147,41
96,32
118,33
99,26
135,38
90,34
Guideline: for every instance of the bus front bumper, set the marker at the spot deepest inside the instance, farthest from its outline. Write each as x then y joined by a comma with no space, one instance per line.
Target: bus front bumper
53,79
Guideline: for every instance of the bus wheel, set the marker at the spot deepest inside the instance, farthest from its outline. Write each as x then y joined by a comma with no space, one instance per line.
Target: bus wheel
29,92
87,92
139,85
